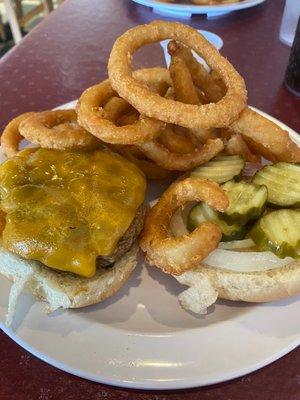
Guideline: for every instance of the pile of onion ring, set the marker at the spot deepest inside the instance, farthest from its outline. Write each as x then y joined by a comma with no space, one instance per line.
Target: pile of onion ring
162,120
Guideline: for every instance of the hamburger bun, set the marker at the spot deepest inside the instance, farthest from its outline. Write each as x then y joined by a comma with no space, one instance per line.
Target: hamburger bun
207,284
63,289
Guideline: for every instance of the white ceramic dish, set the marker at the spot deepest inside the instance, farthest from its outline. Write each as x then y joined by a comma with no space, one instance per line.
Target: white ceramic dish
178,10
142,338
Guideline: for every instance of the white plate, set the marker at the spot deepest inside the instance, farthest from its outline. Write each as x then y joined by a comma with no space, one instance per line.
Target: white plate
186,10
142,338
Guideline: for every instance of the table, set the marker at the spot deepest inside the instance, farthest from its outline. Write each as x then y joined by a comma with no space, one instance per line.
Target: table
67,53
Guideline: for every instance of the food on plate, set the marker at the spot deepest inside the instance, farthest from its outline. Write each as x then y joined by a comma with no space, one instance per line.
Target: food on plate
266,137
176,140
11,136
278,231
256,257
153,105
114,108
186,92
200,76
214,2
72,219
247,201
150,169
71,209
274,281
92,115
237,145
178,161
127,119
175,255
56,129
283,183
221,169
262,136
203,212
184,89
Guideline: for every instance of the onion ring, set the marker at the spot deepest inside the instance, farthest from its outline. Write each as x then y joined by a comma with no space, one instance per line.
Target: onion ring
151,104
114,107
176,142
174,255
183,85
181,162
127,119
200,76
186,92
237,146
262,135
176,129
266,137
219,82
92,116
56,130
11,136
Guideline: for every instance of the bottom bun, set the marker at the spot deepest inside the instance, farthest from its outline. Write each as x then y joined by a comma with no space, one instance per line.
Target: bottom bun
207,284
63,289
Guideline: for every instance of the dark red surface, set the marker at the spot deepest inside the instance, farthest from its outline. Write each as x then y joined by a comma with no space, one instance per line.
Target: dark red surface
68,52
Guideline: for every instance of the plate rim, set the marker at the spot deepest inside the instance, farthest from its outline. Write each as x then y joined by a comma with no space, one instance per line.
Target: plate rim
151,384
198,9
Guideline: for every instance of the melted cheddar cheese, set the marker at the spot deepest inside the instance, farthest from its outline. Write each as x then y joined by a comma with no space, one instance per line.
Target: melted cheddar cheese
65,208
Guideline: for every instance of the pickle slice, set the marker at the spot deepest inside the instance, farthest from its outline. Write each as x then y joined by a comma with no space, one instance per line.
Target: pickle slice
246,201
203,212
283,183
278,231
220,169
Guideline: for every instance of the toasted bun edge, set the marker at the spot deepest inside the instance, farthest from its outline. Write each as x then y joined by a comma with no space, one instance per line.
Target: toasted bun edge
206,284
63,289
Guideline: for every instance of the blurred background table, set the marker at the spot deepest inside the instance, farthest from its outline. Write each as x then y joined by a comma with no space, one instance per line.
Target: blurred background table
68,52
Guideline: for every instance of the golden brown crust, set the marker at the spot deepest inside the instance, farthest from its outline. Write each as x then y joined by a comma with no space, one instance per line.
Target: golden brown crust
92,116
266,137
56,129
181,162
201,78
151,104
177,254
11,136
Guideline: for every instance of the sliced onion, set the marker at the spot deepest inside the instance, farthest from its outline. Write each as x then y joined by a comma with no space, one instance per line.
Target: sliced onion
236,244
178,228
225,258
153,202
252,261
178,224
251,168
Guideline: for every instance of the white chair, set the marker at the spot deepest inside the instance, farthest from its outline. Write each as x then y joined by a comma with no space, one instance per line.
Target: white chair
17,19
2,30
